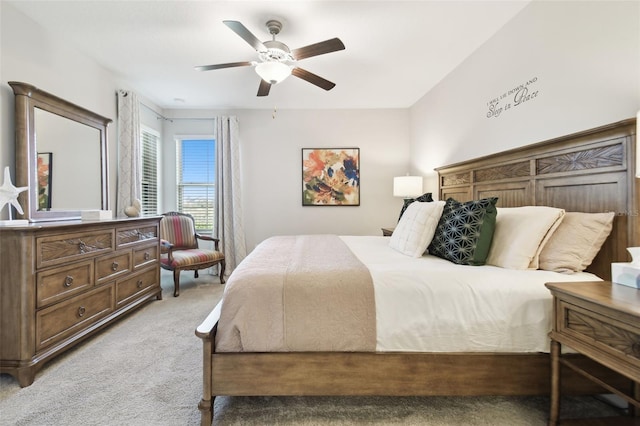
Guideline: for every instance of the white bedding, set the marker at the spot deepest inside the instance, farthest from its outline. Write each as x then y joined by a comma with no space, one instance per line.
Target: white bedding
429,304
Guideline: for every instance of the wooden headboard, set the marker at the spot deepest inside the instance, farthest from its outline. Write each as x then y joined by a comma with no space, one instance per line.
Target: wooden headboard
589,171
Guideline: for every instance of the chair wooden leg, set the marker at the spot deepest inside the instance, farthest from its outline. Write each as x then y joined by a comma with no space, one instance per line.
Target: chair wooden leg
176,282
223,264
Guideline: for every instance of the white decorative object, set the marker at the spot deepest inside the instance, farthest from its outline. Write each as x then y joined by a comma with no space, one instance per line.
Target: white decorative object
134,210
96,215
9,195
635,255
627,273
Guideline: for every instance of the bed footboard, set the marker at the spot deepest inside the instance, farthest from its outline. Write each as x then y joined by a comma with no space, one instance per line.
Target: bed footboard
207,332
380,373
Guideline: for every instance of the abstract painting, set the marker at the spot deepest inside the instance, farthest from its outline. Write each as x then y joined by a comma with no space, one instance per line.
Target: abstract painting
331,177
45,166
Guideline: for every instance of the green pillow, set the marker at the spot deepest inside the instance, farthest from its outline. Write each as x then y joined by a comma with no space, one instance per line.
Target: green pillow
465,231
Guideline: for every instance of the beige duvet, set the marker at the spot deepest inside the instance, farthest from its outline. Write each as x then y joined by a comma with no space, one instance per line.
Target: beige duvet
298,293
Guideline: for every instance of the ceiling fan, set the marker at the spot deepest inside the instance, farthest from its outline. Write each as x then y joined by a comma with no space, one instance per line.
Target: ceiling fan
277,61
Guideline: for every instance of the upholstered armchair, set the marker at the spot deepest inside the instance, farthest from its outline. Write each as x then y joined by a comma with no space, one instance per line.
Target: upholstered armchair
180,251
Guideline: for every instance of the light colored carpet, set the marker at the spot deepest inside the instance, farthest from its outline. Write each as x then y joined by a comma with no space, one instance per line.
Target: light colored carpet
146,370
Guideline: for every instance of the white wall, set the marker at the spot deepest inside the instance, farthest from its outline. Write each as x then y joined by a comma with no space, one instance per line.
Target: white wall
271,155
30,54
271,148
584,58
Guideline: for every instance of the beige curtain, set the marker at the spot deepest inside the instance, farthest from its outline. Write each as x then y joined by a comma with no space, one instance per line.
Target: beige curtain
229,223
129,185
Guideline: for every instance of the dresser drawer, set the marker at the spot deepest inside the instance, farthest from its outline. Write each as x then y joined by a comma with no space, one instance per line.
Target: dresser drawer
130,288
111,266
61,321
617,338
65,281
145,256
56,249
131,235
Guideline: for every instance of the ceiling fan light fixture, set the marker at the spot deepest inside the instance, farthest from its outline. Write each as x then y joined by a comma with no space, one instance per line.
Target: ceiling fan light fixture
273,72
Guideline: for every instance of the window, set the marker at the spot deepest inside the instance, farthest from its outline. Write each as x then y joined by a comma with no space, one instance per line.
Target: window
149,140
196,180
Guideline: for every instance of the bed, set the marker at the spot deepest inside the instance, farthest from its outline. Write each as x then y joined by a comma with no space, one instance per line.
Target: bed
590,171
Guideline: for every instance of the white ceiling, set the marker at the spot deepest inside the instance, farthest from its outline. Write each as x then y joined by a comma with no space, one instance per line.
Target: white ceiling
396,51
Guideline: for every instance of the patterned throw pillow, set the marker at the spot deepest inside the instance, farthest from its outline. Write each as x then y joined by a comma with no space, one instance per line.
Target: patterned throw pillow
424,198
465,230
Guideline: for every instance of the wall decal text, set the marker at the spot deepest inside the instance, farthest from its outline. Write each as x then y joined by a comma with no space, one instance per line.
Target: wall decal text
513,97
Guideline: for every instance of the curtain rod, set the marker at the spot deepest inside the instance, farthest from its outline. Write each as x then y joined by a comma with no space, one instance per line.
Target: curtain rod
162,117
158,115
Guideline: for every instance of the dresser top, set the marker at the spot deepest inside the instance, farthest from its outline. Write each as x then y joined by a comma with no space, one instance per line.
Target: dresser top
35,226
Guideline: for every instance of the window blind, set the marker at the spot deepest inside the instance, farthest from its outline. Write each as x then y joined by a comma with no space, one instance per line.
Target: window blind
196,180
149,142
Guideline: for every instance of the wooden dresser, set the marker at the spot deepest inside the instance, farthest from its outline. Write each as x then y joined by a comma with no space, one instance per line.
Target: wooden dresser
61,282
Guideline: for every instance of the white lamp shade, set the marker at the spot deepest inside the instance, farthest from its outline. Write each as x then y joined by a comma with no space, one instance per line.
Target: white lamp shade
273,72
407,186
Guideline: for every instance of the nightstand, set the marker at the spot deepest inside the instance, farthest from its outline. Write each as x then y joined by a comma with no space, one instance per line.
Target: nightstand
600,320
386,232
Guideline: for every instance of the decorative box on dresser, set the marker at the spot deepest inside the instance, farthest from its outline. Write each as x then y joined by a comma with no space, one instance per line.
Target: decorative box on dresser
61,282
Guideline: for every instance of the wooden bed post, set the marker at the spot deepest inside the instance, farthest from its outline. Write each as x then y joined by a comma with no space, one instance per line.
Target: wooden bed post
554,410
206,403
207,331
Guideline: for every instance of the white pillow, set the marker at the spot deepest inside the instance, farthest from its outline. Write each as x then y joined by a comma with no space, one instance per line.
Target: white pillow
416,228
520,235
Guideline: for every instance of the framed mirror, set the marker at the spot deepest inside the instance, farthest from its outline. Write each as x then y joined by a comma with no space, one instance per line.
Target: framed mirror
61,156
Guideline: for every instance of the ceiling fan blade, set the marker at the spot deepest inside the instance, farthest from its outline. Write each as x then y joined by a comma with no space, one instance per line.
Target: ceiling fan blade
313,78
219,66
247,35
264,88
316,49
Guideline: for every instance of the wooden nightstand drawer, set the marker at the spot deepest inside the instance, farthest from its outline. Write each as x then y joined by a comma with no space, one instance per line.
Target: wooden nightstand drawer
56,284
619,339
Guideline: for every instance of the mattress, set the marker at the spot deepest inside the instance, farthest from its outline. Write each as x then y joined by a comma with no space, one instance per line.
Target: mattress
424,304
429,304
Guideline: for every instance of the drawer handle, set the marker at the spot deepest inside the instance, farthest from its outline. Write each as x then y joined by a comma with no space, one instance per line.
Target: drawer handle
139,283
82,247
114,266
68,281
636,349
81,311
147,256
